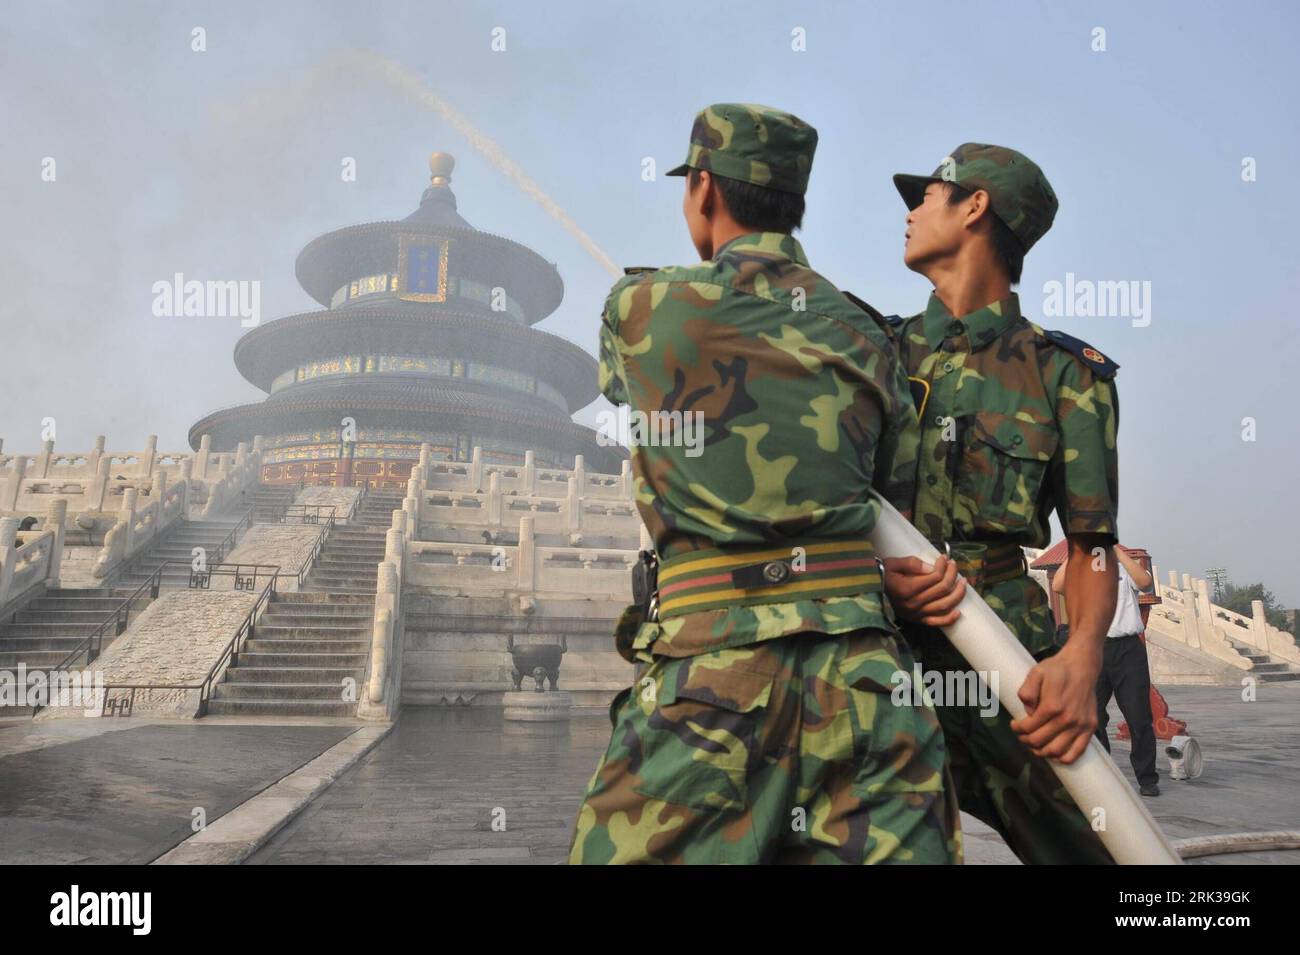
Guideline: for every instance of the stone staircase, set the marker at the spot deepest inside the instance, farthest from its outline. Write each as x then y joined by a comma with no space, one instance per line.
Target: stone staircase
1265,668
307,644
42,634
267,500
177,544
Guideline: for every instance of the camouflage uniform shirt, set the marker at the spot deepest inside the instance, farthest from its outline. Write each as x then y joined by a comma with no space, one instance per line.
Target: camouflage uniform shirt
804,406
1013,426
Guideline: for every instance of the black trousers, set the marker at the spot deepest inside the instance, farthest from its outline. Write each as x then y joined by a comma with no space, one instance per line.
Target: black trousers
1126,676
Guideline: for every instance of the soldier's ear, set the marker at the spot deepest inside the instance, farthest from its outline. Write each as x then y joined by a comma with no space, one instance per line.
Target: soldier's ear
978,207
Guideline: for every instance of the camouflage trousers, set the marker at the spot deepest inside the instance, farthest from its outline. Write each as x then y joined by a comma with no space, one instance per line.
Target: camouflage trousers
785,751
1001,783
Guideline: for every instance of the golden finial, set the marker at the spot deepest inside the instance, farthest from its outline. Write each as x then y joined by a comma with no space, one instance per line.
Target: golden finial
440,167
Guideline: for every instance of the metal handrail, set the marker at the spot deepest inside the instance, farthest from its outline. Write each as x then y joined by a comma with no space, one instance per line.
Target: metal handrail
119,616
305,567
230,653
232,538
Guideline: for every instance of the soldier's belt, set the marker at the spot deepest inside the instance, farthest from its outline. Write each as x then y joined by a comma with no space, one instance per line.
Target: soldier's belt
985,564
743,576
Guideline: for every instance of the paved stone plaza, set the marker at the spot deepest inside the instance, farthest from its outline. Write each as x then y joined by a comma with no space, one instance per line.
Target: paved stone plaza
122,791
426,794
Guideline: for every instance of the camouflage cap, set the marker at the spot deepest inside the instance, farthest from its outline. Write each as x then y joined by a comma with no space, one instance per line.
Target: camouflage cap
755,144
1018,191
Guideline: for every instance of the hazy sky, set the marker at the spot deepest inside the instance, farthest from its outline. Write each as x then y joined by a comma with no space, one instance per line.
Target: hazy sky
222,164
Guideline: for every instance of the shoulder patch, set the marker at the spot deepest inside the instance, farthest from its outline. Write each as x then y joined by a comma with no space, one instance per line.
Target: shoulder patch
1097,363
639,269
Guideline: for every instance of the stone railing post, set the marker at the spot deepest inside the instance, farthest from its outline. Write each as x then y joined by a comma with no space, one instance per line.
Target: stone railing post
476,469
201,457
573,506
625,479
99,490
530,474
426,461
55,517
494,499
42,468
645,542
97,452
8,531
127,516
150,454
395,549
527,572
580,474
241,454
1259,625
187,469
16,475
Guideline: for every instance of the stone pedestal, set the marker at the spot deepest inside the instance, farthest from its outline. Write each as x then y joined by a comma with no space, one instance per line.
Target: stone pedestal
531,707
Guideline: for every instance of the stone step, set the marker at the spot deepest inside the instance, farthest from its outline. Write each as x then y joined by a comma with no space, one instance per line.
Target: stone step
21,645
304,643
48,629
34,659
337,590
306,674
55,604
358,579
316,600
360,630
311,620
280,708
285,660
236,690
95,616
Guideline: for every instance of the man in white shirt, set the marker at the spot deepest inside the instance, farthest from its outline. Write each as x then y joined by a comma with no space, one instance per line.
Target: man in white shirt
1125,672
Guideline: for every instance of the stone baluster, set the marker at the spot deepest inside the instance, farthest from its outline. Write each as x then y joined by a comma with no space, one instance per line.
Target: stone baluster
530,475
150,454
1259,625
99,490
241,454
527,570
395,549
97,452
187,470
126,516
494,500
625,479
645,543
55,518
411,506
42,463
426,462
201,457
580,475
476,469
15,486
8,532
573,506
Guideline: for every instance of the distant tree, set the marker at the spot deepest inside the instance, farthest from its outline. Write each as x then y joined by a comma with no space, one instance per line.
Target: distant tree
1238,599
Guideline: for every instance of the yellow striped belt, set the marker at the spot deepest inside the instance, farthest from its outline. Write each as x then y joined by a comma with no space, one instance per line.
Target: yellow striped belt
742,576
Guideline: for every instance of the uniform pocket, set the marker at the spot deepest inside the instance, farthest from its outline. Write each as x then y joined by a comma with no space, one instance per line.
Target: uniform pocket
1004,464
699,741
898,743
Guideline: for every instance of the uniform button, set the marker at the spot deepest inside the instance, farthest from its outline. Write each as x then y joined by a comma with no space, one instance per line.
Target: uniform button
939,420
956,328
1017,439
931,480
947,366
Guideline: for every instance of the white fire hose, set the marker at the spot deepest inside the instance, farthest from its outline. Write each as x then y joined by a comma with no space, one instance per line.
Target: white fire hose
1129,832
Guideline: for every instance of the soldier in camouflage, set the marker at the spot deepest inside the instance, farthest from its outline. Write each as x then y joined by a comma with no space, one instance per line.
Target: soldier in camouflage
762,729
1016,423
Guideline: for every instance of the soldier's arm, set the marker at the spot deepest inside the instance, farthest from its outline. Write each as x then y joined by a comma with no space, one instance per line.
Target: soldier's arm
613,380
894,475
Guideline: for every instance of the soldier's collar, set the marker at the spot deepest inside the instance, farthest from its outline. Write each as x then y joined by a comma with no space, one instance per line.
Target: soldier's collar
776,245
982,325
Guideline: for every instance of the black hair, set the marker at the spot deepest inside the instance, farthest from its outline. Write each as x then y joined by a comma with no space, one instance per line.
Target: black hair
757,207
1006,247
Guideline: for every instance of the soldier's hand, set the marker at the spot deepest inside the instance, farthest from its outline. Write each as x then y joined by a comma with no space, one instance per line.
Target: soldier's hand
922,593
1060,695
